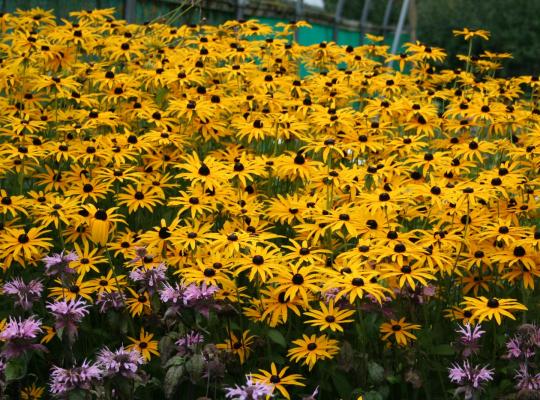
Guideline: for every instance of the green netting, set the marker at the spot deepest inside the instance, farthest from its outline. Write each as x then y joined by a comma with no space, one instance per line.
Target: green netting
148,10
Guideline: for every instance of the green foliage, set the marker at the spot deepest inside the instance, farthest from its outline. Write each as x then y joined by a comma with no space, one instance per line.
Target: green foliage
514,27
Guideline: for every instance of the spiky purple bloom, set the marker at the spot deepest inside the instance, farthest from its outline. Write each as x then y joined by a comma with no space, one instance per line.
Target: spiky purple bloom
58,263
68,314
189,341
110,301
470,378
525,380
172,294
65,380
194,293
151,278
200,298
469,336
120,362
25,293
250,391
19,335
525,343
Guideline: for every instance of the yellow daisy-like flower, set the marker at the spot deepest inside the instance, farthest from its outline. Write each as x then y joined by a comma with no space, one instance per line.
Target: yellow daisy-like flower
471,33
278,380
312,348
484,308
400,330
329,317
32,392
144,345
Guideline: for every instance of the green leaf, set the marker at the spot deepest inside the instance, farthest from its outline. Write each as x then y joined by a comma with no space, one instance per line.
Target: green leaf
277,337
173,379
375,372
15,369
442,350
342,385
77,395
176,361
373,395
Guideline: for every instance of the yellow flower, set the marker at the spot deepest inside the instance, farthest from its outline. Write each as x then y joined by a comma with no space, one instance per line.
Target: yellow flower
241,346
313,348
329,317
399,330
278,380
144,345
484,308
471,33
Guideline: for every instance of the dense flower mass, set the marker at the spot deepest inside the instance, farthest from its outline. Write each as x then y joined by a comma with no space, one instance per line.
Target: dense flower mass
186,206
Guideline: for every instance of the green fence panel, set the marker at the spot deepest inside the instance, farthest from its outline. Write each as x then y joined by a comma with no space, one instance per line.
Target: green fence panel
148,10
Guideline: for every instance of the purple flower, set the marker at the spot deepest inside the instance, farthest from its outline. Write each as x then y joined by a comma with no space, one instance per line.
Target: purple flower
524,344
194,293
26,294
19,335
525,380
120,362
152,278
250,391
189,341
469,338
58,263
68,314
66,380
110,301
172,294
469,378
200,298
513,347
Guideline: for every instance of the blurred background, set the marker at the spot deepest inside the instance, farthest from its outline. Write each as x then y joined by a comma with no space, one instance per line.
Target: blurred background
514,24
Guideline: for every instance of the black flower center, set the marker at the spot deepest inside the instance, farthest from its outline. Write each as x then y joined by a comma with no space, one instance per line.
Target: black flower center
258,260
406,269
399,248
209,272
493,303
204,170
304,251
164,233
357,282
101,215
23,238
519,251
297,279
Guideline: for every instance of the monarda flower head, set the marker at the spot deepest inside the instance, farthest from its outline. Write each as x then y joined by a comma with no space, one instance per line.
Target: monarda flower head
188,342
470,378
67,315
83,377
468,340
58,263
19,335
120,362
200,298
252,390
25,293
151,278
110,301
524,344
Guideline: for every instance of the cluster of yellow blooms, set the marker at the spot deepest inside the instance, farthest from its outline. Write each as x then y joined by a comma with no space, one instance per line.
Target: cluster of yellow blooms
311,198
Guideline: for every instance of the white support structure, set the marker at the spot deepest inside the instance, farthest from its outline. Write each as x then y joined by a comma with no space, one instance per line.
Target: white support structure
399,27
